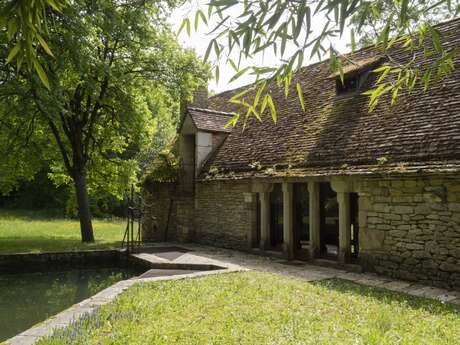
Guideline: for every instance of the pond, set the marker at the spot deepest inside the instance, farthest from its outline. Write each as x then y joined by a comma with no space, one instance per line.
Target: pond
29,298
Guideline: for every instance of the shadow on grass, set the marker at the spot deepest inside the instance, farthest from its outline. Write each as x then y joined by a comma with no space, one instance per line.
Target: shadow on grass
39,244
388,297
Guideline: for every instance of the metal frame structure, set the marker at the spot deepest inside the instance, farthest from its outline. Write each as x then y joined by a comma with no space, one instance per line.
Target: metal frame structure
132,237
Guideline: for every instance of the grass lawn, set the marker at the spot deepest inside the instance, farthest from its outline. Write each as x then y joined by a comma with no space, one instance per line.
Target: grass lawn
29,231
261,308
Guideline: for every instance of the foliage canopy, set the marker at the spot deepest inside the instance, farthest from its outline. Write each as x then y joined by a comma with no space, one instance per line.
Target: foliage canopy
117,68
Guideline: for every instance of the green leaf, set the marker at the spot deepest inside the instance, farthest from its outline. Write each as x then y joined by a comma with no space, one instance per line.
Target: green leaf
300,20
287,83
233,121
231,63
239,95
217,73
223,3
272,108
264,104
41,73
239,74
12,28
403,14
436,39
185,24
199,15
57,7
208,50
13,52
353,40
259,93
44,45
300,95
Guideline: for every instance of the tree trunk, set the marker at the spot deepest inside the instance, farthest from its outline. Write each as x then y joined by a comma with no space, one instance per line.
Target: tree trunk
84,214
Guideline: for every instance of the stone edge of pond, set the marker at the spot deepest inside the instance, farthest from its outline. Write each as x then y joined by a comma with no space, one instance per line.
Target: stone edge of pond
93,303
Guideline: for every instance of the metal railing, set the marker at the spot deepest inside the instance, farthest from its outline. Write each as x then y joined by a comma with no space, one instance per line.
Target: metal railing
132,237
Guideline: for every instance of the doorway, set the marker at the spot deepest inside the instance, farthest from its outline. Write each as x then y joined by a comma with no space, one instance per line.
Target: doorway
276,217
329,221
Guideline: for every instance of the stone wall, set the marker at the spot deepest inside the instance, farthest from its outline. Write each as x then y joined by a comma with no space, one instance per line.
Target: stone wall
224,214
410,229
60,261
220,214
156,210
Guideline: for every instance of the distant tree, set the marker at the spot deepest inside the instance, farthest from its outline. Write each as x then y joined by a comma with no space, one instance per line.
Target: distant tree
90,109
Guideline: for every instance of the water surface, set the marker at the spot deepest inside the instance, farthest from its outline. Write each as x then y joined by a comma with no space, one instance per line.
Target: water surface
29,298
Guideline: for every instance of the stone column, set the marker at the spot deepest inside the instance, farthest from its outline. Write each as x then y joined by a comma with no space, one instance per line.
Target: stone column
264,220
314,214
343,199
250,201
288,221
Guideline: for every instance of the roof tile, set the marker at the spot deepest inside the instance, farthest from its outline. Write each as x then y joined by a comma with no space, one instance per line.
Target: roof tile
333,131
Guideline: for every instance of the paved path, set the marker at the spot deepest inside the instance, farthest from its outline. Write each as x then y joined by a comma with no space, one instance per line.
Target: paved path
309,272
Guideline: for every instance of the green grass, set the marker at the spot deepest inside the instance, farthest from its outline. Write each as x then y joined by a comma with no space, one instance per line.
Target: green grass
29,231
261,308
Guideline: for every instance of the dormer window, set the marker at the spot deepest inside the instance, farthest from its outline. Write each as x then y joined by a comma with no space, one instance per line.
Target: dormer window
355,75
350,84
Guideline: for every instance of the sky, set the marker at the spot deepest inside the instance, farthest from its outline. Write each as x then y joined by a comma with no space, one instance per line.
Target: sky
199,42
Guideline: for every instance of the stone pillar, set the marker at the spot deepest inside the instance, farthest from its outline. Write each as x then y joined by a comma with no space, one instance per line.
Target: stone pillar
314,211
343,199
250,200
264,220
288,221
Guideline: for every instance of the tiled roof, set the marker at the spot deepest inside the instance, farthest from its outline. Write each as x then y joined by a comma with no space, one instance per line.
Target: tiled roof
412,168
210,120
339,131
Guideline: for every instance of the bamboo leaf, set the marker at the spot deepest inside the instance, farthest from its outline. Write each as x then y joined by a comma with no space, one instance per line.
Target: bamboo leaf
403,13
233,121
272,108
185,24
435,38
217,73
300,95
208,50
13,52
239,74
44,45
353,40
12,28
41,73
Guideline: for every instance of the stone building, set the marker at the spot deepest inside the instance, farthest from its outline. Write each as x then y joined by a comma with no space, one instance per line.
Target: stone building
333,183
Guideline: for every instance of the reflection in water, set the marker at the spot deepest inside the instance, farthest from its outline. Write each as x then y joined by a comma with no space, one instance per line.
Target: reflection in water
29,298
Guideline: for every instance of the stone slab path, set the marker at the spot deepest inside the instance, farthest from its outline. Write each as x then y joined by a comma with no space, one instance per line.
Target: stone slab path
179,257
309,272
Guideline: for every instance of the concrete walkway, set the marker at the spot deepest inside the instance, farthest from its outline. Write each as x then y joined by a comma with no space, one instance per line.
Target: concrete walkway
240,260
